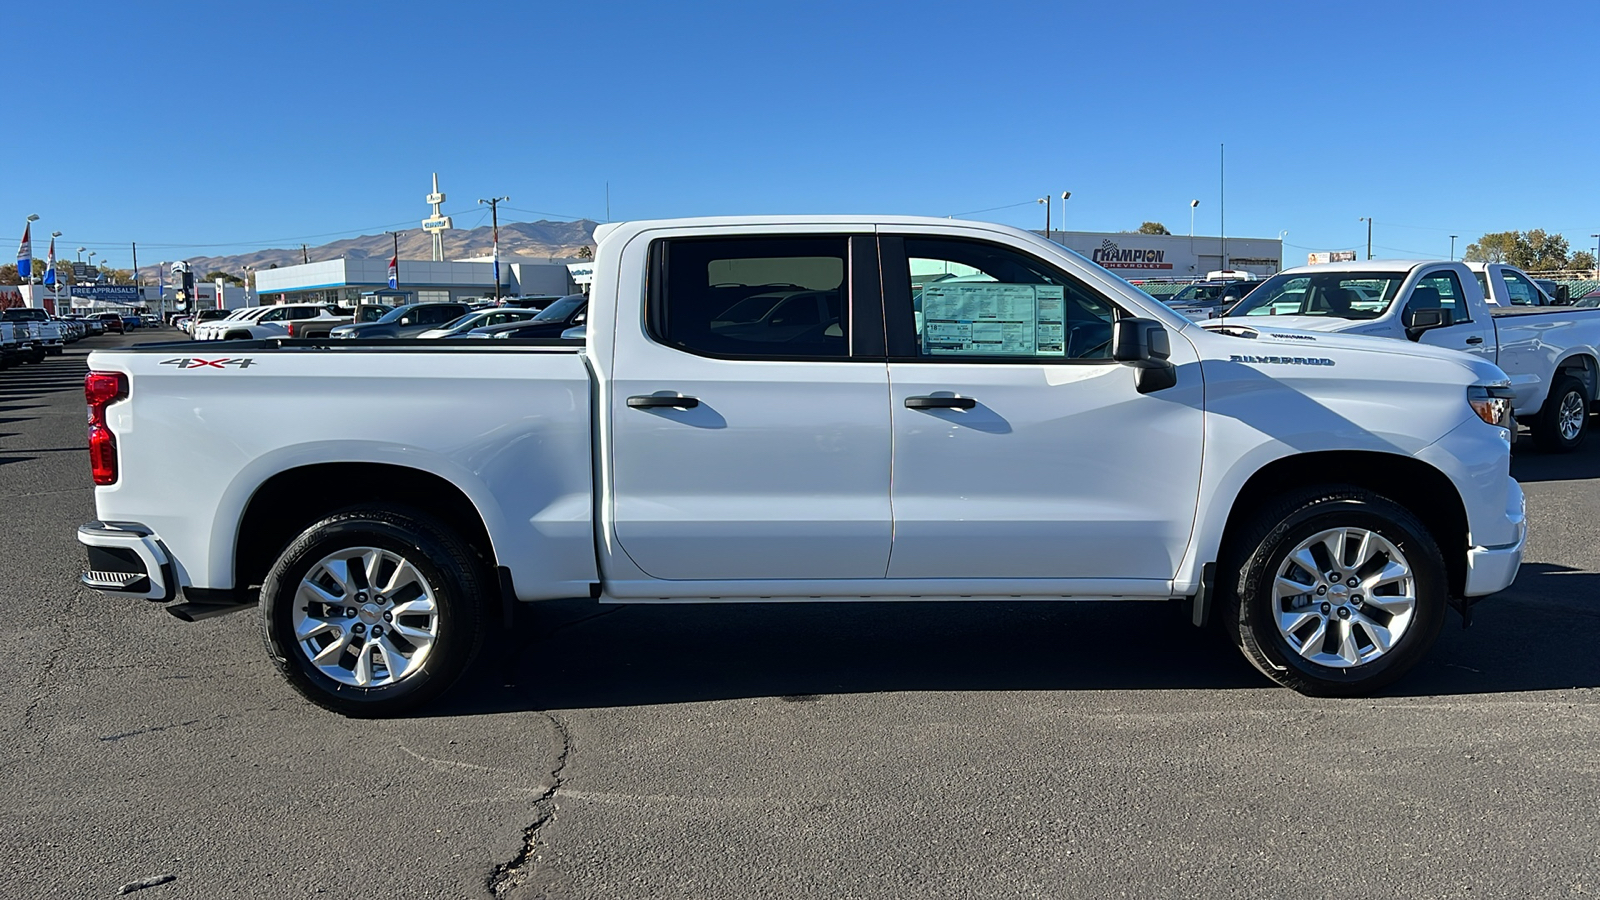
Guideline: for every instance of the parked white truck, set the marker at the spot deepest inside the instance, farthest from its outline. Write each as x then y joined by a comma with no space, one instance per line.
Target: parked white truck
801,409
1550,353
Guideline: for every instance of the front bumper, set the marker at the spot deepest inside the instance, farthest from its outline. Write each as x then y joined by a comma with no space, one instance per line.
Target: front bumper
1491,569
127,559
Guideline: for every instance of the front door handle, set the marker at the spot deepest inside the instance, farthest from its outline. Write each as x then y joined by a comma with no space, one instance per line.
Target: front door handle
660,401
1474,340
940,403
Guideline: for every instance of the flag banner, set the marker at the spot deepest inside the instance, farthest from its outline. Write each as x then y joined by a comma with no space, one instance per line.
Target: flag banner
394,272
50,265
25,253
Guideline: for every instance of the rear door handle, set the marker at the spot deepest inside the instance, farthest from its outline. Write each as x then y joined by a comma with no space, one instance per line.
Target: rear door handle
1474,340
657,401
940,403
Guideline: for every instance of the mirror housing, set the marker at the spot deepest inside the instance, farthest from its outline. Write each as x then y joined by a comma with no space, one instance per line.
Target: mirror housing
1419,320
1144,345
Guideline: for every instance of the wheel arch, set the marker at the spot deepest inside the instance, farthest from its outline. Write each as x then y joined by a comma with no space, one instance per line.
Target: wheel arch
1423,489
286,503
1582,365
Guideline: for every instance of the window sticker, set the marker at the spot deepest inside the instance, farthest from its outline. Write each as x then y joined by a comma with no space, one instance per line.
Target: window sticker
990,319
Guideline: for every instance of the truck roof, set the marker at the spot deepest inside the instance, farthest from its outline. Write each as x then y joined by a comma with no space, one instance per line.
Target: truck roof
1367,265
603,231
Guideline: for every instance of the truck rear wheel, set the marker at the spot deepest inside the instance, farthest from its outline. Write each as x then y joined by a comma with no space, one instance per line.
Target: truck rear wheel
1339,592
1563,420
373,612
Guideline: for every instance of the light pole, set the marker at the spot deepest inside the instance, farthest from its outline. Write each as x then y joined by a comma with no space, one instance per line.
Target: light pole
1065,196
1281,235
1192,205
80,253
1596,253
1453,247
494,215
1046,202
1368,220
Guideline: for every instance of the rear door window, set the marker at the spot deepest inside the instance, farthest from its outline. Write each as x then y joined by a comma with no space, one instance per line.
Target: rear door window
759,298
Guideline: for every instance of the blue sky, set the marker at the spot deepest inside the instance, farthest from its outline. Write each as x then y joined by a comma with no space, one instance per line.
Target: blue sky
209,128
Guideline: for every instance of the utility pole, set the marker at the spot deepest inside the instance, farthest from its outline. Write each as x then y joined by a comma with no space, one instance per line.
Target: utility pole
494,216
1046,201
394,263
1452,248
305,255
138,288
1368,220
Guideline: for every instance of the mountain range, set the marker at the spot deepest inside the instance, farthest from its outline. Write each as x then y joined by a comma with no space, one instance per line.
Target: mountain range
519,241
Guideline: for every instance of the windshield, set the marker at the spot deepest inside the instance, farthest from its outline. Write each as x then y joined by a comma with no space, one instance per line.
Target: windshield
1335,295
395,315
17,314
462,320
559,310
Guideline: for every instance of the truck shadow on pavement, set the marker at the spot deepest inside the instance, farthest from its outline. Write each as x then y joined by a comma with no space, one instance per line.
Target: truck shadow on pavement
1529,465
1537,636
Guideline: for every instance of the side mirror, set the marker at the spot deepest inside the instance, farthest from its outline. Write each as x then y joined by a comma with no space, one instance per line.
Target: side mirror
1419,320
1144,345
406,320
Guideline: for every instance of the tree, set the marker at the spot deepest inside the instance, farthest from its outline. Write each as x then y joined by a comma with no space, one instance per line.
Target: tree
586,253
1493,248
1153,228
1536,250
1546,252
1583,259
8,274
226,278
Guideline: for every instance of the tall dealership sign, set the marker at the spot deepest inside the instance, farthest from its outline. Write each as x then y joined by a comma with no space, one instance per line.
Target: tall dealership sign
438,223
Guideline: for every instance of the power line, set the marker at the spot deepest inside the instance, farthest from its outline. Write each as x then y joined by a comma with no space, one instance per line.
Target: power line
973,212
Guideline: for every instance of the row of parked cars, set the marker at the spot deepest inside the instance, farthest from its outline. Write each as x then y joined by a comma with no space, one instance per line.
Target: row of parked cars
545,317
29,335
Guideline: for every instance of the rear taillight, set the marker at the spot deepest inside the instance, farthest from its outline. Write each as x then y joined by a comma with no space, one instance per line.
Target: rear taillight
101,389
290,328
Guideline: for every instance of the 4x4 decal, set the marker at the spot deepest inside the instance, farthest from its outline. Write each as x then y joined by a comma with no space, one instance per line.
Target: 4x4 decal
189,362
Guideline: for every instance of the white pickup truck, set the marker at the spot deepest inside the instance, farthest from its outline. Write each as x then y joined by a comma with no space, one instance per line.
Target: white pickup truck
1550,353
803,409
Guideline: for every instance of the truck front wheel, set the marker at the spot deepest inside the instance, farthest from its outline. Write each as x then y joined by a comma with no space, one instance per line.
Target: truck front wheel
1339,591
373,612
1560,425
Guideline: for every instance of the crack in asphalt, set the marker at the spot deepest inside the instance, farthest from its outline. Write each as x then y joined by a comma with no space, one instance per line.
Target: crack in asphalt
509,876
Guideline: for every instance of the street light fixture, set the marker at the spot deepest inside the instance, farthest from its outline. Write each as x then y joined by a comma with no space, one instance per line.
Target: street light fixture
1192,205
80,253
1046,202
1065,196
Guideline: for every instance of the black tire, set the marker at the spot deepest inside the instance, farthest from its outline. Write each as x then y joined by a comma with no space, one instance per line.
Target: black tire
237,336
1565,392
1264,545
452,570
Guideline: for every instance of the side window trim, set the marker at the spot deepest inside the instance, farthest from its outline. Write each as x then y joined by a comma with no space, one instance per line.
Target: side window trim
1461,313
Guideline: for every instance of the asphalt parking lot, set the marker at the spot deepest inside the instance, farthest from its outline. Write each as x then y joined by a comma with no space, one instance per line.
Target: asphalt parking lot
895,750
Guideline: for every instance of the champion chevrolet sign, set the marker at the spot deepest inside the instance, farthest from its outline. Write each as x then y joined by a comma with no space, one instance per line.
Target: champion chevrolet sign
1111,256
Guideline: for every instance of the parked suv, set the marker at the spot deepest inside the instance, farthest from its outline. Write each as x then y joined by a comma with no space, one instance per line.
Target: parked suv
404,321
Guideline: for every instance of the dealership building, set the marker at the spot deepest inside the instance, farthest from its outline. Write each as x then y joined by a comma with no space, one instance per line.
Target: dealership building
343,281
1137,256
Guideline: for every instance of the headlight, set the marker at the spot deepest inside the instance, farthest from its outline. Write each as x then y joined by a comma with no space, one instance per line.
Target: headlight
1492,403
